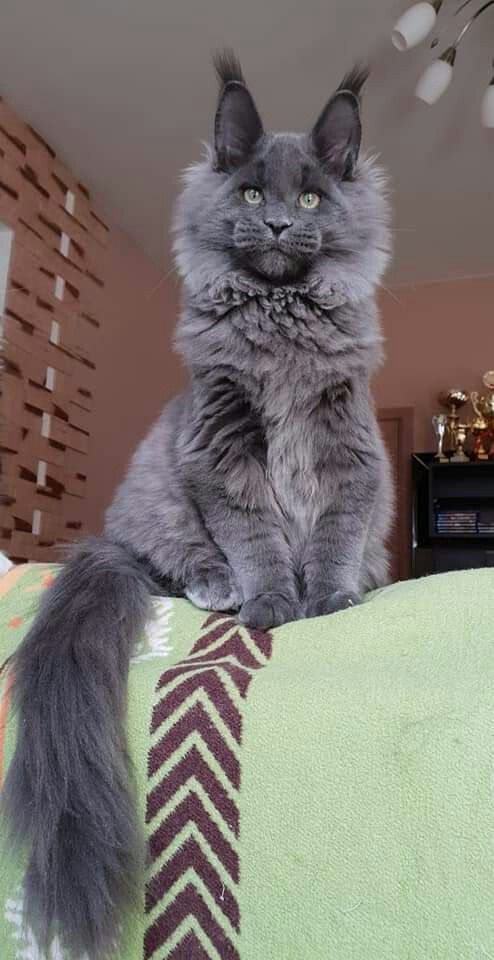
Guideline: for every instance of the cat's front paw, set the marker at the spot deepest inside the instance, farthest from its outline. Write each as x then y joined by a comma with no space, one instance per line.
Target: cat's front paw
339,600
213,588
268,610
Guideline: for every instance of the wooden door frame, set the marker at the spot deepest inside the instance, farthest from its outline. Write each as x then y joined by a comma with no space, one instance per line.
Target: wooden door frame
404,418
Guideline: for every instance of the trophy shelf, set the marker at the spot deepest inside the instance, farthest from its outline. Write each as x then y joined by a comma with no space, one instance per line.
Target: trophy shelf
452,515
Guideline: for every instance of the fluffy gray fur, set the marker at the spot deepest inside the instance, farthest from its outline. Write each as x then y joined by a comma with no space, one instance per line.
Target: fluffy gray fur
264,488
67,793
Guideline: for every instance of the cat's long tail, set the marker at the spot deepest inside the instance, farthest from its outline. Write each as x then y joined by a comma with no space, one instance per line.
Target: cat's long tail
68,791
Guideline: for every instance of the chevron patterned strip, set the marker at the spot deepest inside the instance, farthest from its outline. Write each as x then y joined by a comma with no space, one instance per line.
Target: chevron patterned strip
240,677
220,630
244,644
189,903
193,766
190,855
214,687
234,647
196,720
192,809
193,848
189,949
262,640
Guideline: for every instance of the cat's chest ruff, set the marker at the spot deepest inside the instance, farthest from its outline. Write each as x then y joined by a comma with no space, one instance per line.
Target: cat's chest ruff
292,478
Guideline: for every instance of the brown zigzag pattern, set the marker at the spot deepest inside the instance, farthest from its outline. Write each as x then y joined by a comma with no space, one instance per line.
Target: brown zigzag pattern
197,728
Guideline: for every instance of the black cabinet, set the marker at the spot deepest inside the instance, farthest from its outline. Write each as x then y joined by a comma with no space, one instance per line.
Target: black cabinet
453,515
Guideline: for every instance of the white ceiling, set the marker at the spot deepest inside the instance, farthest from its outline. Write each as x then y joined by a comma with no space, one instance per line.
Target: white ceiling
124,91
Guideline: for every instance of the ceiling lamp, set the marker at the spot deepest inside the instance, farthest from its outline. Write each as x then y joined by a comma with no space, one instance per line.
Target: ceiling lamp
436,79
414,26
487,112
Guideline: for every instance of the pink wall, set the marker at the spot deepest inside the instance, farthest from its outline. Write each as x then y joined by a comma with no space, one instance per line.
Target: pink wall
136,369
439,335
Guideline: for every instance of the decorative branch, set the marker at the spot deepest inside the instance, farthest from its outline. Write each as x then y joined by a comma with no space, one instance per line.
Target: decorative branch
472,20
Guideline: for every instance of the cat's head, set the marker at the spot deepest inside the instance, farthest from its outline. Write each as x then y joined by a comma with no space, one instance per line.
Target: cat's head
283,207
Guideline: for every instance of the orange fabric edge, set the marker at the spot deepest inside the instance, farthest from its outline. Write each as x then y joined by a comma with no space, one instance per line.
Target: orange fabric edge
10,579
4,712
7,583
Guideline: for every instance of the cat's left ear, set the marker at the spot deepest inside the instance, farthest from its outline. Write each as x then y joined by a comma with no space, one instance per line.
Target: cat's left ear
237,126
337,134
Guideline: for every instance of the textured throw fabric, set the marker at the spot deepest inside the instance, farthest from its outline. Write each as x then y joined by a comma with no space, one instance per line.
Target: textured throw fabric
321,793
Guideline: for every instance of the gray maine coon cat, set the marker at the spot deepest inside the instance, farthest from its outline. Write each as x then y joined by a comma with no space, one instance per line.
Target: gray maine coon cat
263,488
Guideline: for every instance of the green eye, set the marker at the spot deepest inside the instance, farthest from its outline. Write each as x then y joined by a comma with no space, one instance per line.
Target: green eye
252,195
309,200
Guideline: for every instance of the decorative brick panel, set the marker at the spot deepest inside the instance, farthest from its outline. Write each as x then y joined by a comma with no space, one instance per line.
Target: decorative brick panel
53,310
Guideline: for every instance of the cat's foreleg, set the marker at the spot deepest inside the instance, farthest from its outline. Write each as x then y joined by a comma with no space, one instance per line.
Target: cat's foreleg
332,564
172,538
259,556
212,587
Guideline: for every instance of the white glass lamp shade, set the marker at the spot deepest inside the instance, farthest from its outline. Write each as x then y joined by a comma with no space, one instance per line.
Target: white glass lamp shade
414,26
487,112
434,81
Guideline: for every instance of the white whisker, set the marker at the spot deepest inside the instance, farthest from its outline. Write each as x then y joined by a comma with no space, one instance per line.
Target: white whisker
160,283
390,293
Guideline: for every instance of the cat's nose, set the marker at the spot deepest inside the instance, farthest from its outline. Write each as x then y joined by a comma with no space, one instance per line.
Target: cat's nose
278,224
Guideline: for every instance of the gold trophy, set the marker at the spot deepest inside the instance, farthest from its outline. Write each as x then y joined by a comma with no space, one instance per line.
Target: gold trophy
483,425
478,427
461,435
488,402
453,400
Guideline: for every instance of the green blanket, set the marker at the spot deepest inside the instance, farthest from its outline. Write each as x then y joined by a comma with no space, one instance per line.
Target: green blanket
321,793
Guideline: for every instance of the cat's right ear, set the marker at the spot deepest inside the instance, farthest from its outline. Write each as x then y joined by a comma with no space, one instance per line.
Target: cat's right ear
338,131
237,127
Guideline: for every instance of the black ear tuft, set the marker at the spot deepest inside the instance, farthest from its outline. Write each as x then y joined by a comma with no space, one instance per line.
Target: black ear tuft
227,66
338,132
354,80
237,126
